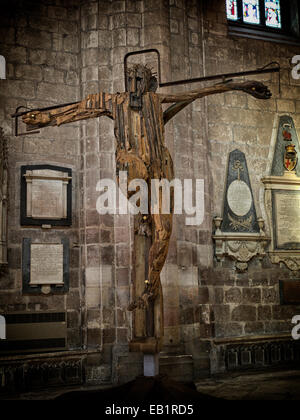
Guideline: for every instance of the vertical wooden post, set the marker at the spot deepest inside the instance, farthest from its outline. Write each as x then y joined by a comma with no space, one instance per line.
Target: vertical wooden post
145,329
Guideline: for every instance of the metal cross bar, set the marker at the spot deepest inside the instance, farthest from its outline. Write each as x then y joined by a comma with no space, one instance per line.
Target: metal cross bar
223,76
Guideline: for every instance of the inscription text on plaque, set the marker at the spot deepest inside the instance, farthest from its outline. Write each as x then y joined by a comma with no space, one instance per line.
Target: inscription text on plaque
46,265
239,198
46,195
287,218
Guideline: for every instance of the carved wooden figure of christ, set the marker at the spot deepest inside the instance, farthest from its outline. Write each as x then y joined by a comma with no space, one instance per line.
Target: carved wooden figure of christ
140,147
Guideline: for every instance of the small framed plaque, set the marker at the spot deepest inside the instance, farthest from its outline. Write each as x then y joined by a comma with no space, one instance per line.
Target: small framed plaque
46,195
45,267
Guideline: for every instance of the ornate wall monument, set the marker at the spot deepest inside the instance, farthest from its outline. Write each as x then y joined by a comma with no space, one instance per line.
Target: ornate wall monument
282,197
239,234
3,200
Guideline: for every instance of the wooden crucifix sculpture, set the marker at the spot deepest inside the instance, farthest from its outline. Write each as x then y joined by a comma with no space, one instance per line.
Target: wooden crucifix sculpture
141,151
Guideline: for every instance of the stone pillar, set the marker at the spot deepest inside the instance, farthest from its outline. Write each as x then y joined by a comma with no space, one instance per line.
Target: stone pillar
96,162
189,250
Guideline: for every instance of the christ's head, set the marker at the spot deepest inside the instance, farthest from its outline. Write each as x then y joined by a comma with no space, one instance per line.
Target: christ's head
140,80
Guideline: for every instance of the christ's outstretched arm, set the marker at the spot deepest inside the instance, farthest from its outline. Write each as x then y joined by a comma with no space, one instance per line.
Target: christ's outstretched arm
181,100
95,105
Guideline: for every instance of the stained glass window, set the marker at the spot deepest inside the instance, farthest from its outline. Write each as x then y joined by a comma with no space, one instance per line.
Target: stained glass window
232,12
251,11
273,13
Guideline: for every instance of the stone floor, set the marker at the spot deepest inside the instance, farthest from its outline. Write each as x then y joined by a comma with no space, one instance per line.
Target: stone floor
275,385
278,385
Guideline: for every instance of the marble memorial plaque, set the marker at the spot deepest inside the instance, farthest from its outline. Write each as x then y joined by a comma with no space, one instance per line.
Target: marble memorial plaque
239,198
47,199
46,196
46,265
286,213
239,234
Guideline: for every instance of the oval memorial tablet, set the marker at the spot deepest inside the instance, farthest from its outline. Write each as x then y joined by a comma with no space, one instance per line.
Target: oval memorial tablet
239,198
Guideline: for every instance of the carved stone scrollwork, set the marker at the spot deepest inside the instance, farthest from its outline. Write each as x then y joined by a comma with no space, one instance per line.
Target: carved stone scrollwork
292,262
241,247
3,200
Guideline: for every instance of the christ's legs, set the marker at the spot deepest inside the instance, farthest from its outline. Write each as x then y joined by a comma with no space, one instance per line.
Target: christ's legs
162,229
162,226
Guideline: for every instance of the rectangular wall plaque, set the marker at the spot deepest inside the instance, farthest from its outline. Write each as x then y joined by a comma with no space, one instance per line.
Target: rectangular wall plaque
45,266
46,195
286,214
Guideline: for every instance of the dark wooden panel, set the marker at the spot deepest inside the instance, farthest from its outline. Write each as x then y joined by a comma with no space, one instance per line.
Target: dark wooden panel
34,333
290,292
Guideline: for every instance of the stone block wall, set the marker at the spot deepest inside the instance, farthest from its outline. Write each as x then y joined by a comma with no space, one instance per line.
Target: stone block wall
40,41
